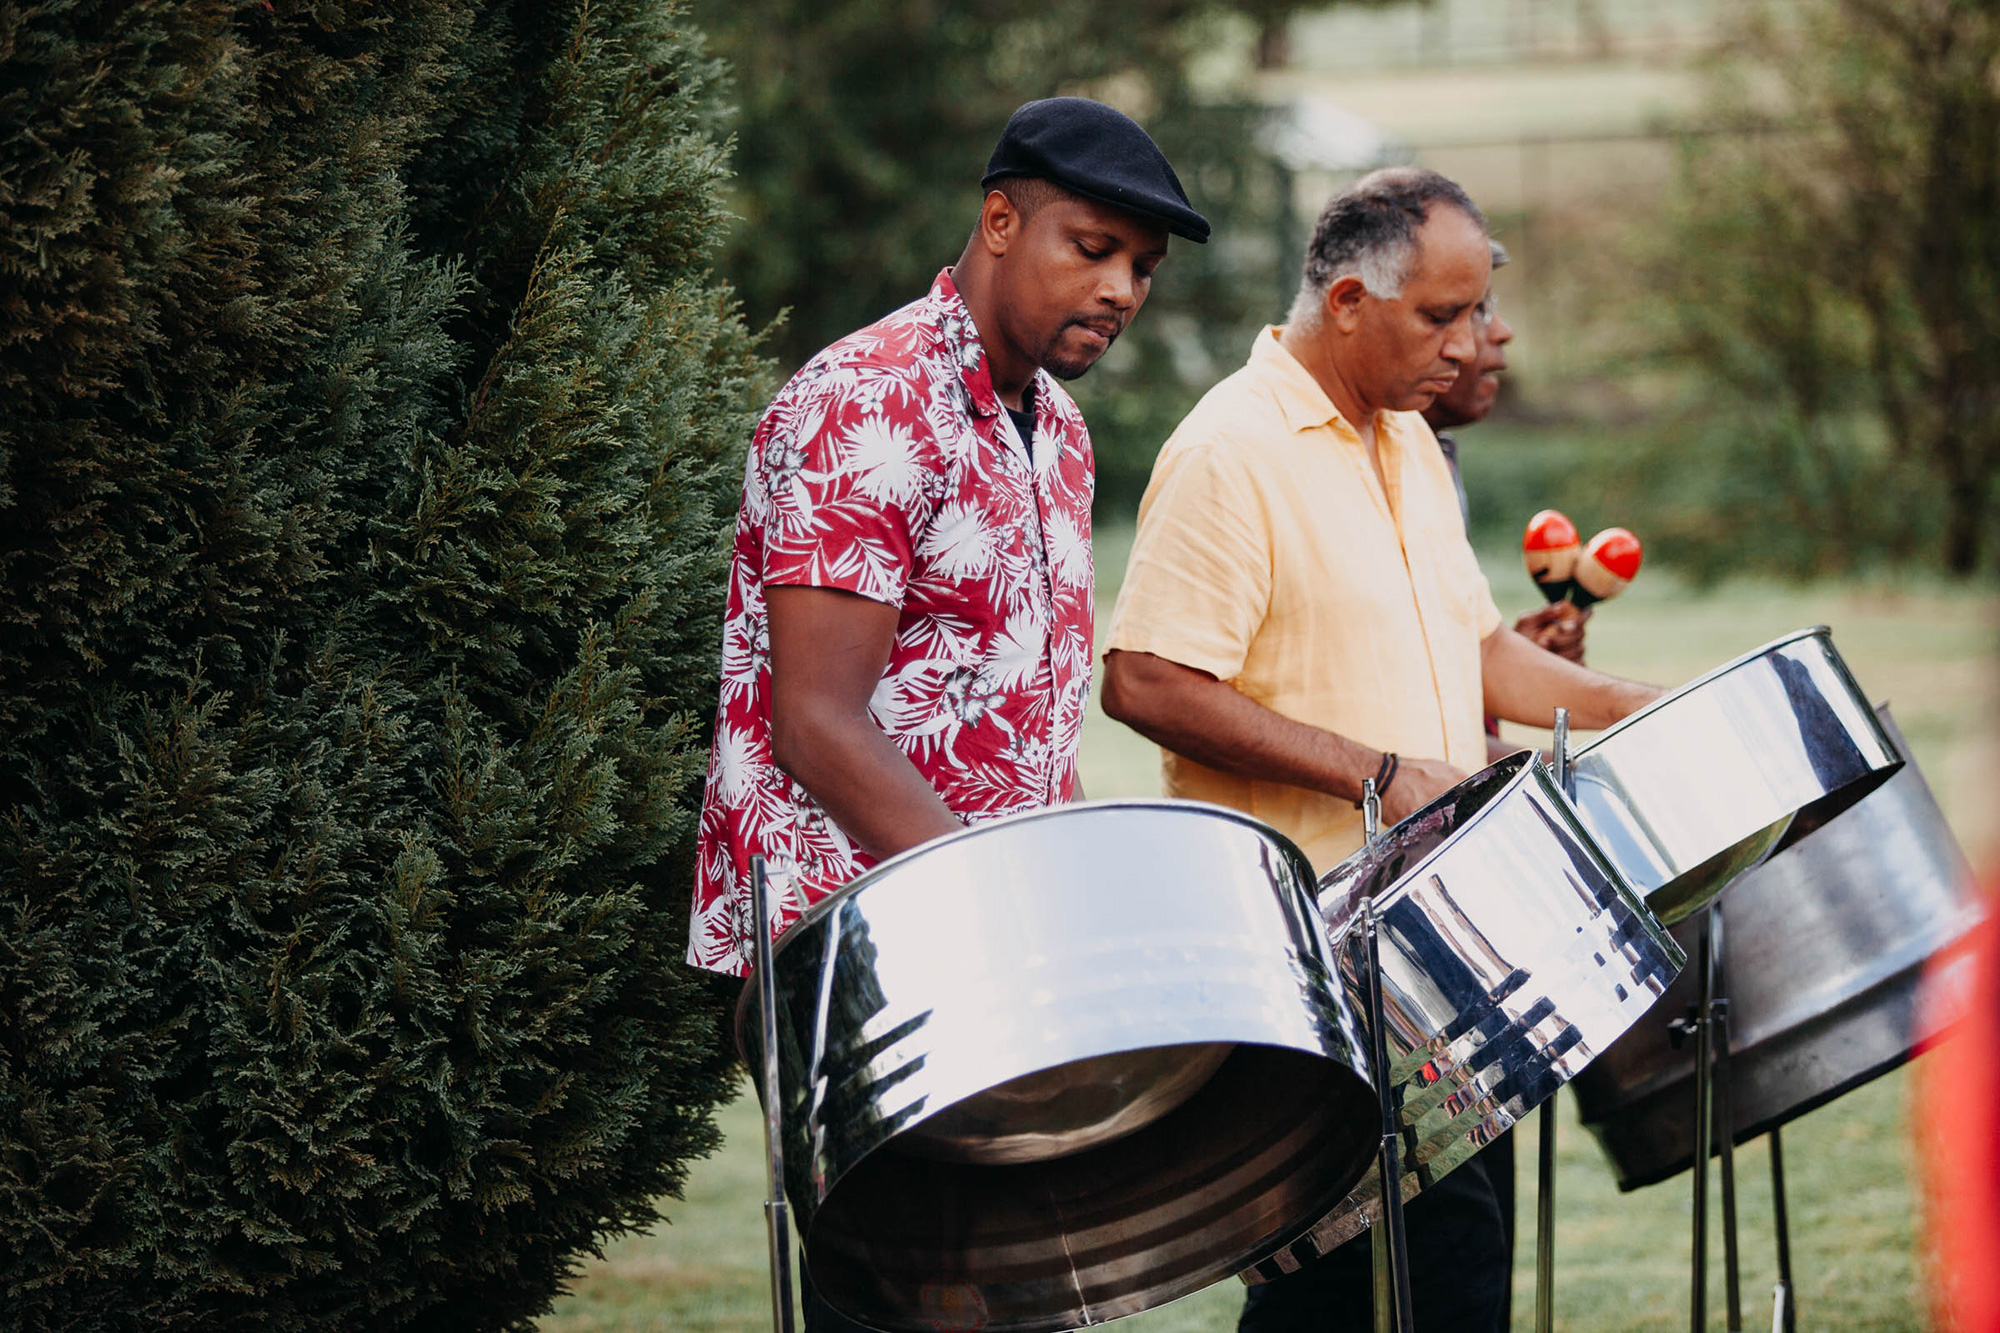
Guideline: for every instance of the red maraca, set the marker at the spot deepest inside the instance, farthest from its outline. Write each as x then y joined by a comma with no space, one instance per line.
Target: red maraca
1606,566
1549,550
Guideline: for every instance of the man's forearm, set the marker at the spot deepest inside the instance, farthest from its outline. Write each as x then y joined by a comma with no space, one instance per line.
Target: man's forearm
1525,684
1218,726
863,782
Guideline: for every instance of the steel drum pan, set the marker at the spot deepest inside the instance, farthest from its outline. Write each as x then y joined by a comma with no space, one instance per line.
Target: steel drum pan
1824,948
1063,1067
1691,791
1512,954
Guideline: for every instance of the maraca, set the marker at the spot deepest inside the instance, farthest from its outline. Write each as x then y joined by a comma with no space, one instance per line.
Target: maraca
1549,550
1605,567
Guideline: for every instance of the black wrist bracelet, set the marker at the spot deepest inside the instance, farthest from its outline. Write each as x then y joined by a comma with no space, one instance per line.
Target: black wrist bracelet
1384,775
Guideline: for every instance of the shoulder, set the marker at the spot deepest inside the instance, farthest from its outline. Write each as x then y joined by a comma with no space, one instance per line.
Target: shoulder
891,374
1238,417
1228,434
898,344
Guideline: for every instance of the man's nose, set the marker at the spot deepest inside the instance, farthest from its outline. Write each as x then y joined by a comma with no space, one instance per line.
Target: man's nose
1459,344
1499,331
1118,287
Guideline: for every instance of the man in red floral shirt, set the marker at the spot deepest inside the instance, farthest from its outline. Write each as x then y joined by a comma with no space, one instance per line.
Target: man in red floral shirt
907,647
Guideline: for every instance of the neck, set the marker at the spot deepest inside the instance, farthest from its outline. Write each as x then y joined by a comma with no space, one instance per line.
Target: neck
1012,369
1313,350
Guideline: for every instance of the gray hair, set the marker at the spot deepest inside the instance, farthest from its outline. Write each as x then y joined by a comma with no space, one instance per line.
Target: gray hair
1369,231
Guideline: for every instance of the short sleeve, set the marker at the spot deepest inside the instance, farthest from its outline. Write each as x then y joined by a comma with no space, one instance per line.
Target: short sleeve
847,466
1461,566
1198,585
1462,571
1484,608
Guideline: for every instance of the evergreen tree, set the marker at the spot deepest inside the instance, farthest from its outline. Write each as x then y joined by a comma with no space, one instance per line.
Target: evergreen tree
371,441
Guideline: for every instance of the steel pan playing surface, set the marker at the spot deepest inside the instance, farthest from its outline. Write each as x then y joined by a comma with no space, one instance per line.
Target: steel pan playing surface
1512,953
1824,948
1063,1067
1694,789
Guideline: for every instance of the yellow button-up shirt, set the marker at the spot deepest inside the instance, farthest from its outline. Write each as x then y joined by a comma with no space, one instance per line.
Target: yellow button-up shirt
1270,556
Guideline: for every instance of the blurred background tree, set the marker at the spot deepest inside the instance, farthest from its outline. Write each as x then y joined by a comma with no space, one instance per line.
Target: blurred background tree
372,440
1751,268
863,128
1832,275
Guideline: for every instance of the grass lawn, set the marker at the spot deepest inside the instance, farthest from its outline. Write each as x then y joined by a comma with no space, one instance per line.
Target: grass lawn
1621,1259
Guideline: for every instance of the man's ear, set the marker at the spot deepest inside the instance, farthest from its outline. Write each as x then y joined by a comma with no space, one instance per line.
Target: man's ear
999,223
1343,303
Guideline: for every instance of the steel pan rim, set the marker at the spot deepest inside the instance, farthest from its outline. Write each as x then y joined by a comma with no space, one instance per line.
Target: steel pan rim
746,1003
1412,874
1734,664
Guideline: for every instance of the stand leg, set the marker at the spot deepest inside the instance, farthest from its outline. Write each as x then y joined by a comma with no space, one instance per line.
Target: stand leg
777,1216
1545,1221
1704,1113
1390,1161
1384,1301
1545,1163
1718,1022
1785,1317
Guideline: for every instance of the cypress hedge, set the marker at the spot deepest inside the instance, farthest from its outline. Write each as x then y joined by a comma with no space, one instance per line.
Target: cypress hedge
372,427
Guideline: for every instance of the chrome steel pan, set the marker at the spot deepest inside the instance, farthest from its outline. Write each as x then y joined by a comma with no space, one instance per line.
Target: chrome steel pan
1699,786
1063,1067
1824,947
1512,953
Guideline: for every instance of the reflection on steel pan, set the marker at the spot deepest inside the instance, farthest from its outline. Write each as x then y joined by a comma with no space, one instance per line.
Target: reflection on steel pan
1063,1067
1825,949
1702,784
1512,953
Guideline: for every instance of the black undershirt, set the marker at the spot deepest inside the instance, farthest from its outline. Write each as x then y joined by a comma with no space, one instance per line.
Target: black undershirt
1024,422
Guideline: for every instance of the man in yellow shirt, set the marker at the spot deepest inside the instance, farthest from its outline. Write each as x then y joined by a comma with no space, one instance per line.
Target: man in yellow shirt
1302,612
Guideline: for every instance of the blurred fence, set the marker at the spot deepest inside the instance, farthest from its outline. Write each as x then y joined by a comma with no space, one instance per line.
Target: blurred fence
1464,32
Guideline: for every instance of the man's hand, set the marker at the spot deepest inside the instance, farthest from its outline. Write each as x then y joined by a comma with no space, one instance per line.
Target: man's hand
1555,628
828,651
1417,783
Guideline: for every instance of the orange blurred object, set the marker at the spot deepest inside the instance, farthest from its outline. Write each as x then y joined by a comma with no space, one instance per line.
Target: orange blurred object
1618,551
1549,549
1958,1125
1606,566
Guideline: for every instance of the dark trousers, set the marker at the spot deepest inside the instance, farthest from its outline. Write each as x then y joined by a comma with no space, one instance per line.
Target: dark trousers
1458,1270
1498,1159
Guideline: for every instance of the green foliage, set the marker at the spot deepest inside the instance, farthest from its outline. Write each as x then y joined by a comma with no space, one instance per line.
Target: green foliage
1835,281
864,126
372,437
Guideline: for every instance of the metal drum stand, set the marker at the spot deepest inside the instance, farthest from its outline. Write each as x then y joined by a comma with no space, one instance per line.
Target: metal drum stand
1545,1155
777,1216
1708,1022
1388,1248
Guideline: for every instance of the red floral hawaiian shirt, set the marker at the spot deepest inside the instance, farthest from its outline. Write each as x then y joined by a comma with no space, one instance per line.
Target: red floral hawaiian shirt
886,468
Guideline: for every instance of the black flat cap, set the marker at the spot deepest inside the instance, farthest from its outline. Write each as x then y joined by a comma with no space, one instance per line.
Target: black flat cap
1101,154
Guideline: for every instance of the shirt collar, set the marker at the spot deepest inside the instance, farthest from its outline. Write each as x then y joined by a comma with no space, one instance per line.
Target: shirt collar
1299,395
960,339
